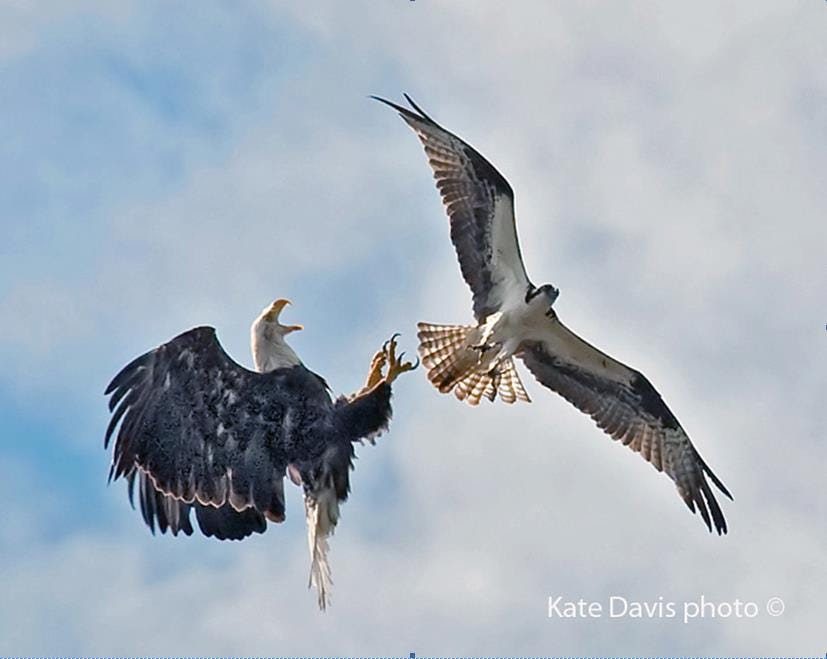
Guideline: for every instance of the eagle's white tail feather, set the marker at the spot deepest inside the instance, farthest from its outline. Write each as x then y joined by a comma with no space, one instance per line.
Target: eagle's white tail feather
453,365
322,512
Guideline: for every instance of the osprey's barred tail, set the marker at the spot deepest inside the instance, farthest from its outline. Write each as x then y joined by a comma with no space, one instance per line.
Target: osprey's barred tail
452,365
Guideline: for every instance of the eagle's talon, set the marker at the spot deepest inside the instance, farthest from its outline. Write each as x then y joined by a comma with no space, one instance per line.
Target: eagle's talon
390,349
385,357
378,362
396,365
390,342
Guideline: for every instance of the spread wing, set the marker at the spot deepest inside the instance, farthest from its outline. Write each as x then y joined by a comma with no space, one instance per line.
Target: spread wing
168,513
628,408
202,431
480,206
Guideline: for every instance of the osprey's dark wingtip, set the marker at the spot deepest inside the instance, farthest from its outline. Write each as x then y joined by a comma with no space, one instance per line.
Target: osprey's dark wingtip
710,512
418,115
391,104
417,108
714,478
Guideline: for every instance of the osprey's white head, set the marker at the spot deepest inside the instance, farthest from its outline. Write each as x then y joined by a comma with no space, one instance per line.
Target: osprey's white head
267,337
542,298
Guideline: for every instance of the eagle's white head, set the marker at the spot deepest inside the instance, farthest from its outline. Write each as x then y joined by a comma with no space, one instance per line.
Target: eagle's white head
270,351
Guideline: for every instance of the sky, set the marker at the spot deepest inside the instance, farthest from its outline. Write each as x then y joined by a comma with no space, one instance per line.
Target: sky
167,166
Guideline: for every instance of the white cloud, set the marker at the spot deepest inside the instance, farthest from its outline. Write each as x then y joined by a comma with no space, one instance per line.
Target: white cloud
22,24
489,522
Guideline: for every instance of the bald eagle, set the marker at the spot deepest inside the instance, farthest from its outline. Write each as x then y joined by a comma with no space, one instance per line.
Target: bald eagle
516,318
197,431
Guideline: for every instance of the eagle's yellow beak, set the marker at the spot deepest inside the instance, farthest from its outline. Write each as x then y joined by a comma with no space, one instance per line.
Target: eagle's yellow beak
275,310
277,306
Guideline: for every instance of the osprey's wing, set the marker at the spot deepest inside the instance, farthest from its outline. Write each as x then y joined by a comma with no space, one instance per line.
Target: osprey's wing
207,432
480,206
628,408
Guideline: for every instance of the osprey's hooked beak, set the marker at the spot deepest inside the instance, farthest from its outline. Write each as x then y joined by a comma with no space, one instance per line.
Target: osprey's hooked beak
275,310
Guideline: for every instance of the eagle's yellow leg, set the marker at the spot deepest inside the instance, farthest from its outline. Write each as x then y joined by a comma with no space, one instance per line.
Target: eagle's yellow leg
374,374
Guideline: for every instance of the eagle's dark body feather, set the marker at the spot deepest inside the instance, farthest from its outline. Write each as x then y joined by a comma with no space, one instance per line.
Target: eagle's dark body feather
196,430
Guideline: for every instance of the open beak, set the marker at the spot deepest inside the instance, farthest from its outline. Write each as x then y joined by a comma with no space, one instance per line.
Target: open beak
278,306
275,311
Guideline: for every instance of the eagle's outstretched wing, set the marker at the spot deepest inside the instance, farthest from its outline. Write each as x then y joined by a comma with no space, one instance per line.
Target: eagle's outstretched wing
205,432
480,205
168,513
628,408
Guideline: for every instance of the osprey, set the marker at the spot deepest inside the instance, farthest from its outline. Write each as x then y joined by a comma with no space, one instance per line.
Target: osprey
199,431
516,318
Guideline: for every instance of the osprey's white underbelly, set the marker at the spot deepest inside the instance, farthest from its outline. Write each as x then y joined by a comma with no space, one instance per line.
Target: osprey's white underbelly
505,330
